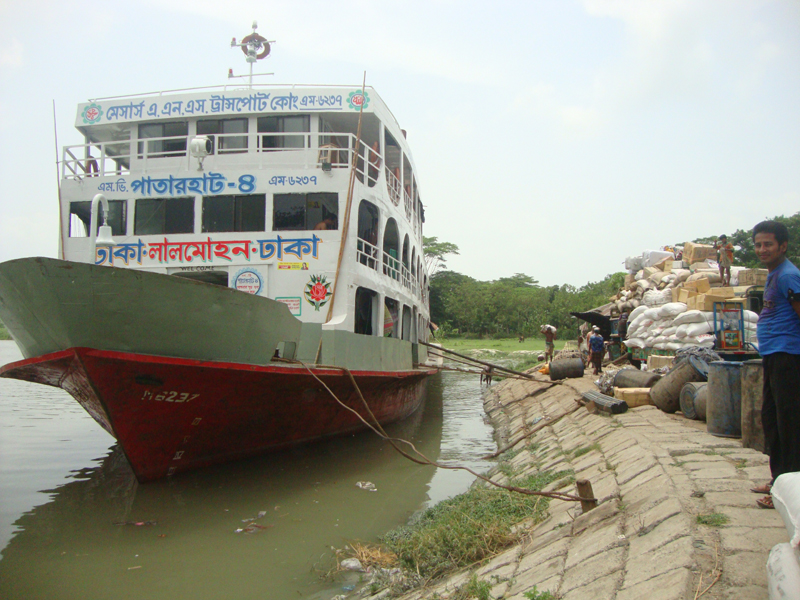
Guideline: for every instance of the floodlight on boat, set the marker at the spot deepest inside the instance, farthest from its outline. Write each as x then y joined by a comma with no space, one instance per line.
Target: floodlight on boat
200,146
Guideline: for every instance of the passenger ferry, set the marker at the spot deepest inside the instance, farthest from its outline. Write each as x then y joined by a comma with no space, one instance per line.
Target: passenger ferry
257,246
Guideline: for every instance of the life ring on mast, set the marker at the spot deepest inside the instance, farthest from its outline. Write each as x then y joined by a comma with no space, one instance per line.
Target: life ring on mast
254,37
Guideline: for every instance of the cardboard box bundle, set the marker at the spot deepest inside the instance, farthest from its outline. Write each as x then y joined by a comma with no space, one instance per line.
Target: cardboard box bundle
706,301
633,397
701,286
655,361
693,253
753,277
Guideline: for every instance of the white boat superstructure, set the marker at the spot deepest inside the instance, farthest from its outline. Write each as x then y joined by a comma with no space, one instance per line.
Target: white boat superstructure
250,188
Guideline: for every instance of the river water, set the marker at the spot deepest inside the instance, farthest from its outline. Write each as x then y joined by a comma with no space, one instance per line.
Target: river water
74,522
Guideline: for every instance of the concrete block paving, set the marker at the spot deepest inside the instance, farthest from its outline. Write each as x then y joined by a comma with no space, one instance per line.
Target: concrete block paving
654,475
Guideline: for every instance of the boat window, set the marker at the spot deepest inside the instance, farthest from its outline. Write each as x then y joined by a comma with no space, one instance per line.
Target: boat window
80,217
170,139
164,215
304,212
234,213
367,243
406,323
225,128
365,301
391,316
368,222
285,130
391,245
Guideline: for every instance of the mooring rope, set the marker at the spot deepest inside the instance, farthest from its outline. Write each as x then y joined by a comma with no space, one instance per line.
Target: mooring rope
422,460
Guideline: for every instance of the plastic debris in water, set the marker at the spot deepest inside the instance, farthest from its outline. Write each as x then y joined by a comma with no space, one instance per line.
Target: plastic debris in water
366,485
136,523
352,564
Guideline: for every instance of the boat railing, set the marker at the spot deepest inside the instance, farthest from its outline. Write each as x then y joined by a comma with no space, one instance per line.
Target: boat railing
367,254
393,186
326,151
96,160
391,266
407,202
406,274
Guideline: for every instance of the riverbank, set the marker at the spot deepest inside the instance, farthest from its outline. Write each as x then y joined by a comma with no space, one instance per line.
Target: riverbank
675,514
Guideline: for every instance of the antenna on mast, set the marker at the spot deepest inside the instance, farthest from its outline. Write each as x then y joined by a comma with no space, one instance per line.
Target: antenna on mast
255,48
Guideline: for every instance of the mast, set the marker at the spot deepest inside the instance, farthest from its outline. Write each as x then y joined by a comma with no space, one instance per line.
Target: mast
255,48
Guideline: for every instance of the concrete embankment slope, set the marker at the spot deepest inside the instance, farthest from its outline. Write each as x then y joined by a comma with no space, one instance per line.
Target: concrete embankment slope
654,474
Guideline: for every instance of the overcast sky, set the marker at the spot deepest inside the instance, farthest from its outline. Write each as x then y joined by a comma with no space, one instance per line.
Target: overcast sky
553,138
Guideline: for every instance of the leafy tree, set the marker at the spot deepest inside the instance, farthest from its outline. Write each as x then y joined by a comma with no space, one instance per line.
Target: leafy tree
742,239
435,252
518,280
513,305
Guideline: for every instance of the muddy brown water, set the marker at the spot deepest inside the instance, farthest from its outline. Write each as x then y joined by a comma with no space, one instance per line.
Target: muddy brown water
74,523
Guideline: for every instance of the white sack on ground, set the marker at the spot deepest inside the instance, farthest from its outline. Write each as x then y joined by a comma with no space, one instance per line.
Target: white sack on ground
786,497
783,573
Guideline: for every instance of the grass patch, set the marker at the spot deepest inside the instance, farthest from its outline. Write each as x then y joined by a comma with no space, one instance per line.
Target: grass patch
468,528
713,519
507,469
4,335
510,454
480,590
741,464
534,594
585,450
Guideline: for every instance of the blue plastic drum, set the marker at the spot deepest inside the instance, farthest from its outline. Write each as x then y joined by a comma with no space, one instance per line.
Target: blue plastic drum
724,399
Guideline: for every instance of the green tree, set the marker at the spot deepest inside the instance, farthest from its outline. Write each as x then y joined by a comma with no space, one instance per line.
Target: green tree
435,252
742,239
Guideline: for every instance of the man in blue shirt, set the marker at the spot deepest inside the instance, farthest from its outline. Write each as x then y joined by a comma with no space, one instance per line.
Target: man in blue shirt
779,344
597,347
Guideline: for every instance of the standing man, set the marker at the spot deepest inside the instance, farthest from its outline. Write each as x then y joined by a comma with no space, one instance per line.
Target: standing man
597,348
724,259
779,344
549,341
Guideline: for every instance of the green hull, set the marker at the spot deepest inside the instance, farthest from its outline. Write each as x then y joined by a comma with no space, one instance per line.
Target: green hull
51,305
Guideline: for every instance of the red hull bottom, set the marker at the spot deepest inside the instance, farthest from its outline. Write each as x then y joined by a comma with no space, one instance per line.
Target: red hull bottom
171,415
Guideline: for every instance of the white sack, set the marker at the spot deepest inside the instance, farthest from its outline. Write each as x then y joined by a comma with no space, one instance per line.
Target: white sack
671,309
653,257
651,314
695,329
786,497
690,316
783,573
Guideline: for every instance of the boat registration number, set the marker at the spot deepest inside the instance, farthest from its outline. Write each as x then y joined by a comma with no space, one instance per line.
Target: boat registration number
169,396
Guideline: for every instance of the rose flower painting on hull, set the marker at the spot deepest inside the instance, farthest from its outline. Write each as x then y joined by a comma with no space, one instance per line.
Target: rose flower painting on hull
318,291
